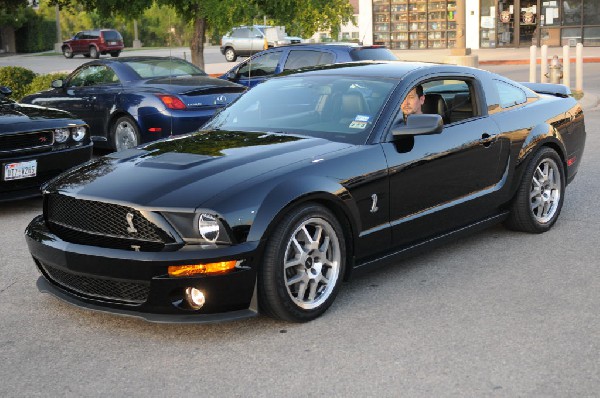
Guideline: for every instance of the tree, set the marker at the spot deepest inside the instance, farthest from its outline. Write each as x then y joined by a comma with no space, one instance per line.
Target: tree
304,17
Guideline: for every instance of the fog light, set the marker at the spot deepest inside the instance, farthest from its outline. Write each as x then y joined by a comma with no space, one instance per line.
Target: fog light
194,297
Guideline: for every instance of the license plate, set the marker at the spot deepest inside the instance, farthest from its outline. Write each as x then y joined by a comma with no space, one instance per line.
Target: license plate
20,170
112,43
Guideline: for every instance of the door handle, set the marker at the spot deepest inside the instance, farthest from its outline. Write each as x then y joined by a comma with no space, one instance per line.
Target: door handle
487,139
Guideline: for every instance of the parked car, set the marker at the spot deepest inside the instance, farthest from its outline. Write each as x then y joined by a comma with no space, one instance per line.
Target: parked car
274,61
248,40
301,182
92,43
36,144
131,100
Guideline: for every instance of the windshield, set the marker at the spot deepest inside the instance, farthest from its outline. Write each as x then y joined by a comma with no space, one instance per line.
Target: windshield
340,108
147,68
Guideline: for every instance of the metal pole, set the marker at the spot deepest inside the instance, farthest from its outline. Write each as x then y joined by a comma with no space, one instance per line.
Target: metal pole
544,64
566,67
579,67
532,63
58,44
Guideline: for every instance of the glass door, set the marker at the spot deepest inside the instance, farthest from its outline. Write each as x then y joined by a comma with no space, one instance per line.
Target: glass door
528,20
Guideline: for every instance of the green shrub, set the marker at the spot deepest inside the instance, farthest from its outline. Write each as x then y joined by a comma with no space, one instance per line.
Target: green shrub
17,79
43,82
37,35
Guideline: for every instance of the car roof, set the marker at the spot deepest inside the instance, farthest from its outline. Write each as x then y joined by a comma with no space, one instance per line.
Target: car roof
332,45
378,69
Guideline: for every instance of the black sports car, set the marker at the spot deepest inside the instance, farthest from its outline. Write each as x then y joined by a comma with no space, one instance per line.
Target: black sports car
302,181
37,144
133,100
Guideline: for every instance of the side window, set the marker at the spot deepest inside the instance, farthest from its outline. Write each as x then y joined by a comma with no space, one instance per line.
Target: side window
452,99
263,65
93,76
303,58
509,94
242,33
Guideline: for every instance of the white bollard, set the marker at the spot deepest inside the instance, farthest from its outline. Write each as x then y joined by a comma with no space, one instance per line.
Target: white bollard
532,63
544,64
566,66
579,67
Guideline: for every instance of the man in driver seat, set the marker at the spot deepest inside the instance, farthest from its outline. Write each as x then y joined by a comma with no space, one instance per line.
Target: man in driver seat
413,102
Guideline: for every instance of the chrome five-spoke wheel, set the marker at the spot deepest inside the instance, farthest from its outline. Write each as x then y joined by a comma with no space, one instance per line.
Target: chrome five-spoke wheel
546,191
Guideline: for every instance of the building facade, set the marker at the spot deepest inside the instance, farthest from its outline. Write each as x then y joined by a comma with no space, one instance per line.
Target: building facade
426,24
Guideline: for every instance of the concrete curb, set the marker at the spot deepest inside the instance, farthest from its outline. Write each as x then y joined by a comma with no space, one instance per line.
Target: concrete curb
526,61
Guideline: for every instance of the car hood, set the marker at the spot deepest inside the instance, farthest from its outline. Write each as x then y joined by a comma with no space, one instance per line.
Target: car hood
185,171
16,118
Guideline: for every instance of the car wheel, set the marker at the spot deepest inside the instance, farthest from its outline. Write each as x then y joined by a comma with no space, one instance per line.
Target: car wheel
303,265
115,54
230,54
86,55
540,196
125,134
67,52
94,52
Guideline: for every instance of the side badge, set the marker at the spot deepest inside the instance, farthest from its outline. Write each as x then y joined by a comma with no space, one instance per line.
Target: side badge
374,207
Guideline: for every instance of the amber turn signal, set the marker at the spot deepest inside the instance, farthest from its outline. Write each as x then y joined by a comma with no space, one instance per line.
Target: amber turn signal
202,269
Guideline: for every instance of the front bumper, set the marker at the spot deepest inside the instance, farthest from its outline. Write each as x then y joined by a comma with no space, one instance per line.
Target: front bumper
137,284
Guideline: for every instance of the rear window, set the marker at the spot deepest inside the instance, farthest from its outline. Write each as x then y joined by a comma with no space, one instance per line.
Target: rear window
111,35
372,54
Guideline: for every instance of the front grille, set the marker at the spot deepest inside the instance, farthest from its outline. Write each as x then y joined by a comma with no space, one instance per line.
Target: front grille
129,292
102,224
26,141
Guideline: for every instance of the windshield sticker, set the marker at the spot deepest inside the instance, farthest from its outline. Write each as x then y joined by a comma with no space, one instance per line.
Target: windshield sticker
362,118
358,125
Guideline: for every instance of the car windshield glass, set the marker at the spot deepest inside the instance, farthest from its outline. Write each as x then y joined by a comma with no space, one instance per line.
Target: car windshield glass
341,109
372,53
147,68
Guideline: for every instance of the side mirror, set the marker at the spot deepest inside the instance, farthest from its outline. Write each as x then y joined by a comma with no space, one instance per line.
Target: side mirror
5,91
59,83
419,125
232,75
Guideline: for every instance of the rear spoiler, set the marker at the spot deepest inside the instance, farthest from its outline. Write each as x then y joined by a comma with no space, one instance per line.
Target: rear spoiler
558,90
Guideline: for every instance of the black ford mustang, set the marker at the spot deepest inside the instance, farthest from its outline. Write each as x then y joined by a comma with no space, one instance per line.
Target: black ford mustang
300,182
37,144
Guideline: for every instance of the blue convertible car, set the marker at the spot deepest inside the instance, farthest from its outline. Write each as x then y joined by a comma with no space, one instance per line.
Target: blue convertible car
132,100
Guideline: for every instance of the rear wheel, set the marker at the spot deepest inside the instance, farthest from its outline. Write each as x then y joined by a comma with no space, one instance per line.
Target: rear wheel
94,52
539,199
67,52
125,134
303,265
230,54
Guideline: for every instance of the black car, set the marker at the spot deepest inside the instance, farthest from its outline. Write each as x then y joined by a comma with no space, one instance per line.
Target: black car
301,182
36,144
272,62
132,100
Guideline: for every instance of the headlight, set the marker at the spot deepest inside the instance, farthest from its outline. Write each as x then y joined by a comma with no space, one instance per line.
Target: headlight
208,226
78,133
202,228
61,135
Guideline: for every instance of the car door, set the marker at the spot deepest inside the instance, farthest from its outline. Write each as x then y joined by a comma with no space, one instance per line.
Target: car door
90,95
257,69
439,182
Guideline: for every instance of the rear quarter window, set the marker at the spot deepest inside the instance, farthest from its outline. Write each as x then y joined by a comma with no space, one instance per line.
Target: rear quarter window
112,35
510,95
304,58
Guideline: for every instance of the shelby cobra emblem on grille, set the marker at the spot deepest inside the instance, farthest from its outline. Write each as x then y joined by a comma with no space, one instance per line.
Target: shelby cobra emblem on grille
130,229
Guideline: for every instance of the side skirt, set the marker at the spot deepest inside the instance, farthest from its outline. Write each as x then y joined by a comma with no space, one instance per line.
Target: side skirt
428,244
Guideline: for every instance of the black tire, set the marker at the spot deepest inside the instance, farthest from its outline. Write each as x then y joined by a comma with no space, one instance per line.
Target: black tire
94,52
230,54
67,52
539,199
86,55
317,268
124,134
115,54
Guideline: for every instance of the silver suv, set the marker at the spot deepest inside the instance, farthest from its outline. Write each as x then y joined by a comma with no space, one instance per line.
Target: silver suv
248,40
